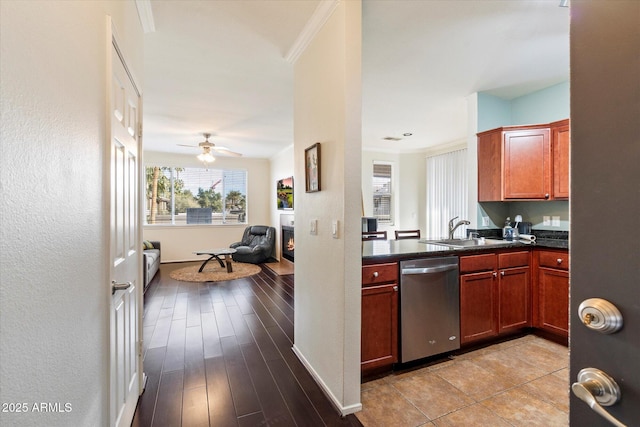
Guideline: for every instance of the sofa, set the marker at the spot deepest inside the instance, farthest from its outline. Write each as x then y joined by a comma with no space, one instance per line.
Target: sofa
150,261
257,244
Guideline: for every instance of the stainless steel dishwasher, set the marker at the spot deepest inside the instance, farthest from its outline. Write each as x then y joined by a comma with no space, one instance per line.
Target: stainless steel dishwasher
429,307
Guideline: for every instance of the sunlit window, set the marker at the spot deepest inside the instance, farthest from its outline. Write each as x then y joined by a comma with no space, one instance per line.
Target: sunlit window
180,196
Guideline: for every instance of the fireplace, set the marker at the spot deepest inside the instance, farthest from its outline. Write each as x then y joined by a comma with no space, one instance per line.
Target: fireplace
288,244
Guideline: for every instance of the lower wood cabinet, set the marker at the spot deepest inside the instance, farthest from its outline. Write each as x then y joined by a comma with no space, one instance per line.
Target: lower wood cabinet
478,306
379,335
495,294
514,291
552,293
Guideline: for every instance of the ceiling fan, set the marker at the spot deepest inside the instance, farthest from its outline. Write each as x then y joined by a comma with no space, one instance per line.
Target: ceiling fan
207,146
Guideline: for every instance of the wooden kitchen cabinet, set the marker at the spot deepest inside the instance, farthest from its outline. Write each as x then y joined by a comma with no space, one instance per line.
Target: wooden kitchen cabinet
561,142
379,336
478,306
514,290
527,163
478,297
494,294
516,163
552,292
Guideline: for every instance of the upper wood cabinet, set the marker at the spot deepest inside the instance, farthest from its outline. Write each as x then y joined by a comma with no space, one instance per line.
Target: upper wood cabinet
519,163
560,141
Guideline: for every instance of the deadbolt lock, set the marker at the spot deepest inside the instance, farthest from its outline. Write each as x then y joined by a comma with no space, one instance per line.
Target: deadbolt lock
600,315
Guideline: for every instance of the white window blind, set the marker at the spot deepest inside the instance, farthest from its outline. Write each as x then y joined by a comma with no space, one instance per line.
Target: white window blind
195,196
447,186
383,192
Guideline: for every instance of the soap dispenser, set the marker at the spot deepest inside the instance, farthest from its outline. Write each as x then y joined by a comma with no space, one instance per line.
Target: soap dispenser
507,231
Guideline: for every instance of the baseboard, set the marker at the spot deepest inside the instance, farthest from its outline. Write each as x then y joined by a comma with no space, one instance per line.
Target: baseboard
342,410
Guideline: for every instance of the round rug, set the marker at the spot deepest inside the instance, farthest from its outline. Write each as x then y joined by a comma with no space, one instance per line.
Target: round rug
214,273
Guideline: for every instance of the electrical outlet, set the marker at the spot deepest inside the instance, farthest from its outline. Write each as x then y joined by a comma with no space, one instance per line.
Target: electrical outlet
555,221
485,221
313,227
546,220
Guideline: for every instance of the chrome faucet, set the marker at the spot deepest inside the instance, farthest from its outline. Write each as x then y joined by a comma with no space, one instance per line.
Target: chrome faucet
452,228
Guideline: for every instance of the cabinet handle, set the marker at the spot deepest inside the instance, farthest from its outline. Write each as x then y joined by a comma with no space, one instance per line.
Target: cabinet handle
546,196
559,261
502,273
395,288
375,274
495,274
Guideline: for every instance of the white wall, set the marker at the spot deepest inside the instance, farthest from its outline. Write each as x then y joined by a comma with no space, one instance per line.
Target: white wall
327,109
409,189
282,167
54,291
179,242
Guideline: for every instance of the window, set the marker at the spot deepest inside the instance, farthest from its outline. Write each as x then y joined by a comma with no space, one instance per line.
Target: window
446,192
180,196
383,193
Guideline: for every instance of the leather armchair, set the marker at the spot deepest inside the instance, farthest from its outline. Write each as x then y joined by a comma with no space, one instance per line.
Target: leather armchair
257,244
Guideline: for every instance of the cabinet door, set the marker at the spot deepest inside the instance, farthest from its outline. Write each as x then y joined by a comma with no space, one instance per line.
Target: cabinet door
379,326
478,306
561,140
527,164
490,166
553,301
514,295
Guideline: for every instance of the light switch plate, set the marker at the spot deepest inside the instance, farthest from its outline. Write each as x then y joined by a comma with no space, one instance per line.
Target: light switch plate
313,227
334,228
485,221
546,220
555,221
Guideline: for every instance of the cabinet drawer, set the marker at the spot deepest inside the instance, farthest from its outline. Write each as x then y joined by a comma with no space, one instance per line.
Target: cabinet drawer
513,259
473,263
551,259
379,273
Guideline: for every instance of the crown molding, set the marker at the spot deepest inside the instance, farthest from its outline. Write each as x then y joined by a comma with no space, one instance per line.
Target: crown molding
322,13
145,13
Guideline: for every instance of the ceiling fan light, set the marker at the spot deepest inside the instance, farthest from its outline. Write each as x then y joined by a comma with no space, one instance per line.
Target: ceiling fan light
206,158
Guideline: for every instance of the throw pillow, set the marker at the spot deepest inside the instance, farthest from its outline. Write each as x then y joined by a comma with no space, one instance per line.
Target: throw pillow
147,244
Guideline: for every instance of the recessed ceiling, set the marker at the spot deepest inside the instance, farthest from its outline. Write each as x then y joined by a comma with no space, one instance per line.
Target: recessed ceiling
219,67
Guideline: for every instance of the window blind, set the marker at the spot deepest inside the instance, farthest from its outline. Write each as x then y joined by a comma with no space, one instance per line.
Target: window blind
382,192
447,184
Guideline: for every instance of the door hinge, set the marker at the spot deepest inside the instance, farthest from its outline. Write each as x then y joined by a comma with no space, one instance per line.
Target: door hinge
139,129
140,348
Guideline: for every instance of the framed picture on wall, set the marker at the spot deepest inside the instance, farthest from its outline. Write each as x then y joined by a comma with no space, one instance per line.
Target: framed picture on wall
284,193
312,168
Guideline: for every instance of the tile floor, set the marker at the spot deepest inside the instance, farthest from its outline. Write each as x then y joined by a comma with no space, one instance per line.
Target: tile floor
522,382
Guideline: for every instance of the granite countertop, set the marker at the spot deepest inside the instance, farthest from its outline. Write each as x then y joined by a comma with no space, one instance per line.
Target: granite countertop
375,251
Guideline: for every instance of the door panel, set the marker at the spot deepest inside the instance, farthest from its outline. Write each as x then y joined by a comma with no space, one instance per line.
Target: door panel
125,262
478,311
527,167
514,293
605,179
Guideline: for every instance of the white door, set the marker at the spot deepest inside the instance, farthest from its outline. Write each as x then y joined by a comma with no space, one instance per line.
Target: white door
125,261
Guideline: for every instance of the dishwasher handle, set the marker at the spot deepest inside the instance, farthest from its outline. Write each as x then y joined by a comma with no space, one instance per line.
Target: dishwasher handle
427,270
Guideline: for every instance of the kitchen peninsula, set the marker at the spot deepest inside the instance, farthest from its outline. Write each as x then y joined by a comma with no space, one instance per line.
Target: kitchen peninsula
505,288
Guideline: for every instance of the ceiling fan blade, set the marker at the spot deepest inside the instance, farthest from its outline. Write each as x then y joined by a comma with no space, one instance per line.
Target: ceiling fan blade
185,145
224,150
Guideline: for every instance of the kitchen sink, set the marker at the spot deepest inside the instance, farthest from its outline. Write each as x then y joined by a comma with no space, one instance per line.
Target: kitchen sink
465,243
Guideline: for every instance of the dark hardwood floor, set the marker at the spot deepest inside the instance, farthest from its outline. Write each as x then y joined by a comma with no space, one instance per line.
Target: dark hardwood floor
219,354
